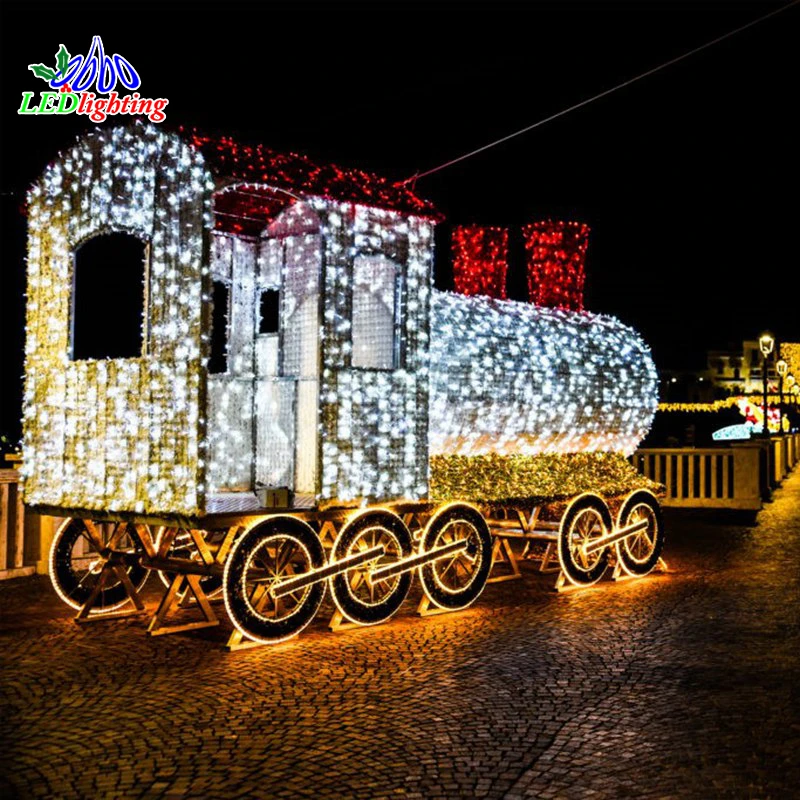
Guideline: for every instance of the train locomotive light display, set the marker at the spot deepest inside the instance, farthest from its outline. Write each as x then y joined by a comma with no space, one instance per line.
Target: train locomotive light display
306,413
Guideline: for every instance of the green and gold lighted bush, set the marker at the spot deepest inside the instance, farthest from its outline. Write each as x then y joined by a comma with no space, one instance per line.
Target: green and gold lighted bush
546,477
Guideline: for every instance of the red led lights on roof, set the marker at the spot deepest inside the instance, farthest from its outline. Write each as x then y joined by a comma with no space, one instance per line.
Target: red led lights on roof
299,175
556,255
480,260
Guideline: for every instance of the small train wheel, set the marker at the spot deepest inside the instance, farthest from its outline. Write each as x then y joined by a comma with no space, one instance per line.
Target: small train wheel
639,553
587,517
277,549
76,562
357,596
183,547
456,580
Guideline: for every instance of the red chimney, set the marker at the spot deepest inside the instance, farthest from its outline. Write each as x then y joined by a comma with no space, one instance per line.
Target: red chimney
556,255
480,260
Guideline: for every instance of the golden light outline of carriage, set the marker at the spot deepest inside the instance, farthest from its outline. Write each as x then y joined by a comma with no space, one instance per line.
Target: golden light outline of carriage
300,457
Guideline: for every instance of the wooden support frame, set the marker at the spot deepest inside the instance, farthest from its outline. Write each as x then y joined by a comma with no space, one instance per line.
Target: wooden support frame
114,566
156,627
503,553
85,614
185,589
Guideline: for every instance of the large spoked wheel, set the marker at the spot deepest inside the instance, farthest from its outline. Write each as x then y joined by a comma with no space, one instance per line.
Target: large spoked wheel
275,550
77,557
639,552
183,547
587,518
360,597
456,580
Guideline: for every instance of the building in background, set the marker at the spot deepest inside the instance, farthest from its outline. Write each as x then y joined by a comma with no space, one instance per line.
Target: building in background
726,373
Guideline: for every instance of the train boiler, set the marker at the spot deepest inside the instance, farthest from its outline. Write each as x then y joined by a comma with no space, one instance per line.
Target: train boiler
298,411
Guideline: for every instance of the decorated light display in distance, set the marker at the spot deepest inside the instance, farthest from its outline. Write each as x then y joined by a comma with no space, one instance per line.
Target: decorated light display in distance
790,353
556,253
480,260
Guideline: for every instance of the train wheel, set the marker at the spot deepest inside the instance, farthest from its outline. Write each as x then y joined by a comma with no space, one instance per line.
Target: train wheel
183,547
639,553
277,549
360,598
456,580
587,517
77,557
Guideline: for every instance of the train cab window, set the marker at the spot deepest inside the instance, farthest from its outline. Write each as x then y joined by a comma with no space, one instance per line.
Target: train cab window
269,305
108,297
220,299
375,302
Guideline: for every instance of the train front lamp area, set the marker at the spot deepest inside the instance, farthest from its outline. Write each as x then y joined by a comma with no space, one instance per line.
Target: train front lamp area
766,344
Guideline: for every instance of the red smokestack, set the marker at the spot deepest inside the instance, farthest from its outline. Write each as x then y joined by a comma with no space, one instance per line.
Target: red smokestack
556,255
480,260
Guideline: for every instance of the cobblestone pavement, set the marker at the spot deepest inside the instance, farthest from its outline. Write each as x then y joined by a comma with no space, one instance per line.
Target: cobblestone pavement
684,685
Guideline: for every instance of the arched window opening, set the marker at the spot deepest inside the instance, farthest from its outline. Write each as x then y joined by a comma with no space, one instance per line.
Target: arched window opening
108,297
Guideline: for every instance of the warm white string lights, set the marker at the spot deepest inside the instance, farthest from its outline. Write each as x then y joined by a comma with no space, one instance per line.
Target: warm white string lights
370,373
122,433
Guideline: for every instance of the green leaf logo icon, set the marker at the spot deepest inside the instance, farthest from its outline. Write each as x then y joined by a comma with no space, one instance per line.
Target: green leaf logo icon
41,71
62,59
46,73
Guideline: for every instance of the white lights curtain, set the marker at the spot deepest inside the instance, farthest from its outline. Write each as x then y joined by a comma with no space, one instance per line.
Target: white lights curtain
374,314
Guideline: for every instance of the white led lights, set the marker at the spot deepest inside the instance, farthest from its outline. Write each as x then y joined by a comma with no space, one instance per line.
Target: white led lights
511,377
123,433
370,372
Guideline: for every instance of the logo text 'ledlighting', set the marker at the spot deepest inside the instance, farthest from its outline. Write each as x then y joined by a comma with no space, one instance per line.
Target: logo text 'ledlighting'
73,76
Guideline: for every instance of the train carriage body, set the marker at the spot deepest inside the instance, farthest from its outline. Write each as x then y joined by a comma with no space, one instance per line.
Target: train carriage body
291,340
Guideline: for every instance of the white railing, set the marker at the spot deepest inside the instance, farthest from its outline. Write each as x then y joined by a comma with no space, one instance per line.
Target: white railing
12,528
736,476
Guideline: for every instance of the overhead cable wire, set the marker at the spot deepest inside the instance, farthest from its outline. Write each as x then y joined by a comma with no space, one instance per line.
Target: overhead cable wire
600,95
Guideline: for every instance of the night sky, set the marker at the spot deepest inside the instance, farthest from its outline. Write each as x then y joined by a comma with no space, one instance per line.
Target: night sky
688,179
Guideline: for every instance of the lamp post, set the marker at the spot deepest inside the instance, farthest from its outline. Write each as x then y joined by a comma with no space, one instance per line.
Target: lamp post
781,368
766,344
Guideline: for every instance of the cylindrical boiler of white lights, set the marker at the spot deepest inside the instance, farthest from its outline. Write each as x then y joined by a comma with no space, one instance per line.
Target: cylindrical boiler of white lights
508,377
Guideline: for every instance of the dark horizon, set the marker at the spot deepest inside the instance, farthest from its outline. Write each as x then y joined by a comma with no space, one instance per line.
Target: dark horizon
681,177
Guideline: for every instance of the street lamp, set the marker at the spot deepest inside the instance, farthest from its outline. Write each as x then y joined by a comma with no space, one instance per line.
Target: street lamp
766,344
781,368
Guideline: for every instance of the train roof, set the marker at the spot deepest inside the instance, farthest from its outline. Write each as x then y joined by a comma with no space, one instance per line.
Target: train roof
256,164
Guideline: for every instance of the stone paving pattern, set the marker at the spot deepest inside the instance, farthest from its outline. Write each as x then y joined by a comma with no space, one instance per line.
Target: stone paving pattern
684,685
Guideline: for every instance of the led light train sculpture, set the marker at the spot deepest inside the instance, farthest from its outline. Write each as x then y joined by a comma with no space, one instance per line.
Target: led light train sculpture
304,454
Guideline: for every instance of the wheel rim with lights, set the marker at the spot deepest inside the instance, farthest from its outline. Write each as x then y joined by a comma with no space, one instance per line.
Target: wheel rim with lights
275,550
360,598
183,547
639,553
586,518
456,580
77,560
